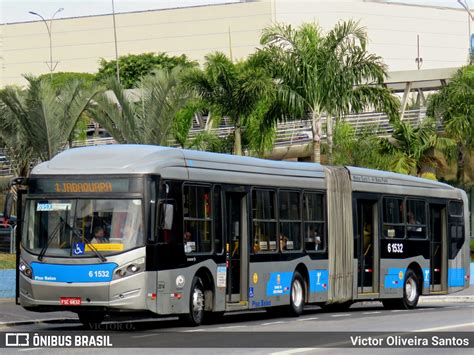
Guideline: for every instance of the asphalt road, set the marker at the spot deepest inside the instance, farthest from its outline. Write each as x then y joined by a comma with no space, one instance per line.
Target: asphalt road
250,328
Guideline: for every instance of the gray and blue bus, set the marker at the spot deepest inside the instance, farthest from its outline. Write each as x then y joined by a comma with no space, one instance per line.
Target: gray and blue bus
154,230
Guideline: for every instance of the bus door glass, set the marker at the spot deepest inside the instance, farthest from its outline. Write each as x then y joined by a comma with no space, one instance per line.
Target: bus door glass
438,263
236,238
367,246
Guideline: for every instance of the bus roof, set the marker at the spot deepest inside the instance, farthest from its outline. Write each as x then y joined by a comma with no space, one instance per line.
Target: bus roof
149,159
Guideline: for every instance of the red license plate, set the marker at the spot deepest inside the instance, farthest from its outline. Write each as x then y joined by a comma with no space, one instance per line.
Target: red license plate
70,301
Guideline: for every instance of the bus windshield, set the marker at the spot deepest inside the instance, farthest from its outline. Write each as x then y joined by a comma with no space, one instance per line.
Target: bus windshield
69,227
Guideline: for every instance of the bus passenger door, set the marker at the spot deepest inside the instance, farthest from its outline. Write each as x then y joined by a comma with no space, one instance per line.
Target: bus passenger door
236,246
438,238
366,246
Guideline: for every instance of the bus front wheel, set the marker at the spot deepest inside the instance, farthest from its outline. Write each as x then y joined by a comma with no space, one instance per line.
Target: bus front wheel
196,304
297,295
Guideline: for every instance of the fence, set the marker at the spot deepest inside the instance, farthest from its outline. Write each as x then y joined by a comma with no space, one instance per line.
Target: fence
7,239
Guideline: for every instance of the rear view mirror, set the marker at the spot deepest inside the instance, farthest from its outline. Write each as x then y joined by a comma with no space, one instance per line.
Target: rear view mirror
166,213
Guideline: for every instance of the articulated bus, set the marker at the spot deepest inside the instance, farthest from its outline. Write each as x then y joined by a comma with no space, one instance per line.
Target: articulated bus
162,231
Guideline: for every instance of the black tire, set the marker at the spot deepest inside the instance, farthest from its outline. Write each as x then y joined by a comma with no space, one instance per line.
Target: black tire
91,320
196,313
411,293
411,290
336,307
297,295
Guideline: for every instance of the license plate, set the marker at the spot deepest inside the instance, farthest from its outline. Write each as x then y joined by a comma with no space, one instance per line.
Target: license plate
70,301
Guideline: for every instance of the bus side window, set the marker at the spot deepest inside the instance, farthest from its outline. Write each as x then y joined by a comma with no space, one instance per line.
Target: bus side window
313,217
264,221
197,213
290,221
393,221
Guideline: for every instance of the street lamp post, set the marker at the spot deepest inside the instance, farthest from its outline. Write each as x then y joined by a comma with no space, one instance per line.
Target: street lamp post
115,41
49,28
470,18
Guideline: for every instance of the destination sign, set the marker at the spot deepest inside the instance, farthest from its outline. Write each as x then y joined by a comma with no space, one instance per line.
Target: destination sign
85,186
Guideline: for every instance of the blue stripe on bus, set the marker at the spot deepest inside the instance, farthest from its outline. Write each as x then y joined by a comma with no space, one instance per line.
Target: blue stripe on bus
279,283
318,280
426,277
73,273
394,278
455,277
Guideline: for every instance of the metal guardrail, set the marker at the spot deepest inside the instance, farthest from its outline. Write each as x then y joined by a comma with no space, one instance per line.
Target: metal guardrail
7,239
296,132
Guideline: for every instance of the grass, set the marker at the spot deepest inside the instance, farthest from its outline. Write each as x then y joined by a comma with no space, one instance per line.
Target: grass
472,249
7,261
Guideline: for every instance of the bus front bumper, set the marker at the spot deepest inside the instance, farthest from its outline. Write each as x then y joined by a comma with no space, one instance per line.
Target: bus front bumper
128,293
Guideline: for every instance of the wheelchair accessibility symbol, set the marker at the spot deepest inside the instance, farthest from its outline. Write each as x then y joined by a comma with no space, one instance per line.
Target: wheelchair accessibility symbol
78,248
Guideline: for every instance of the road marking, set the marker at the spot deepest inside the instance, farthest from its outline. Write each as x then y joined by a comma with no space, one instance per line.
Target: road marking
30,349
445,327
399,310
231,327
425,309
144,336
192,330
341,315
305,319
294,351
376,312
271,323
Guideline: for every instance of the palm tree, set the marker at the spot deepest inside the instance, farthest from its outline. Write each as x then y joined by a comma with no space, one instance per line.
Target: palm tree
232,90
454,106
412,148
149,117
326,75
43,118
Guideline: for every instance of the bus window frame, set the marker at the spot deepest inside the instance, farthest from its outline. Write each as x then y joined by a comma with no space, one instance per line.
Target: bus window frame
213,208
416,198
403,224
300,207
275,220
324,221
211,197
450,202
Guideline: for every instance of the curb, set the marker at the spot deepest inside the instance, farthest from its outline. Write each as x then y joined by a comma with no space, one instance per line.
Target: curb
458,299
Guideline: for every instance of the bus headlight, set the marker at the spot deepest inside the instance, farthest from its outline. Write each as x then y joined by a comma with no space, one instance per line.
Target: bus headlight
25,269
130,269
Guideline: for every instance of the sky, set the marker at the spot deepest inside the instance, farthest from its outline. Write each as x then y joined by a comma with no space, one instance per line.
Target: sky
18,10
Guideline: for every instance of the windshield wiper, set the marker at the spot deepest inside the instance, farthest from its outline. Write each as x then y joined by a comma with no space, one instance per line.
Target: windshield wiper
50,238
76,234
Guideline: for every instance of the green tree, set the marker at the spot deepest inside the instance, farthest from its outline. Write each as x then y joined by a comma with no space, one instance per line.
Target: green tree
61,79
235,91
454,106
412,149
358,149
134,67
326,75
148,117
43,117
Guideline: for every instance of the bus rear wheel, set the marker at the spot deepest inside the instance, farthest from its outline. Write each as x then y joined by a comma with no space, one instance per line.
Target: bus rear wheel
297,295
196,304
91,320
411,293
